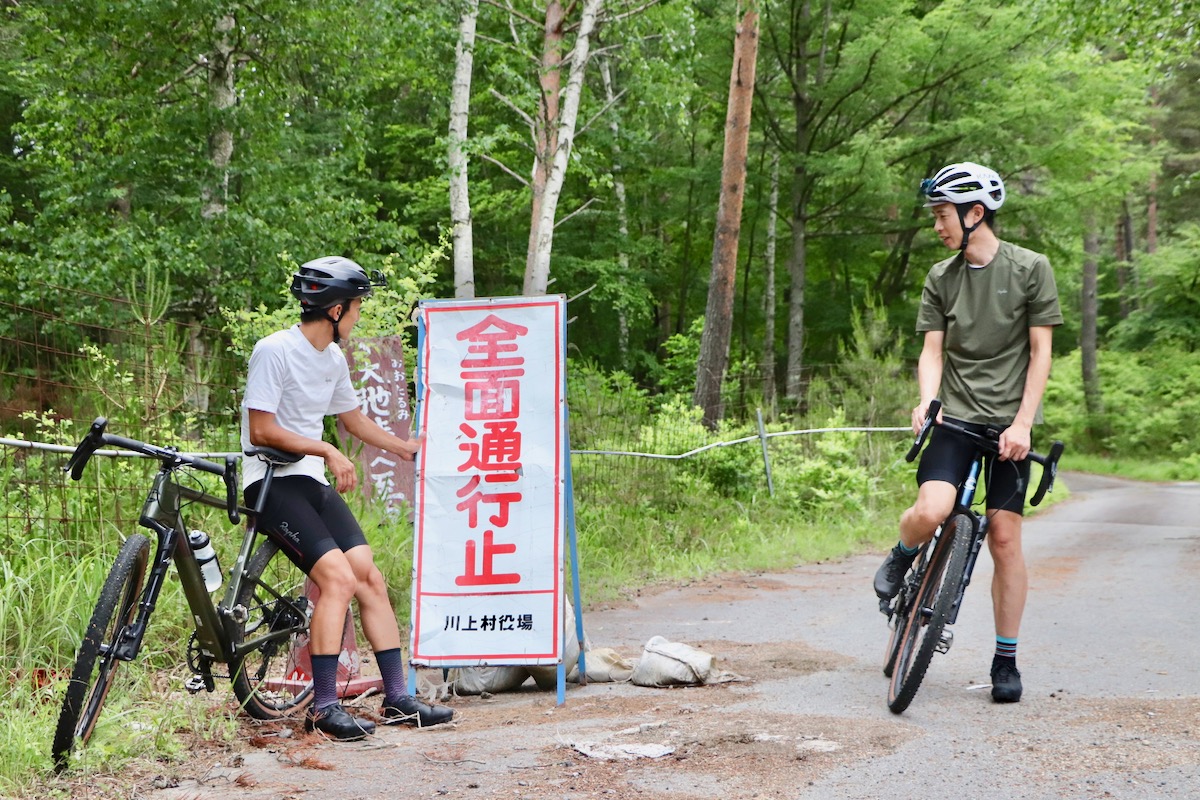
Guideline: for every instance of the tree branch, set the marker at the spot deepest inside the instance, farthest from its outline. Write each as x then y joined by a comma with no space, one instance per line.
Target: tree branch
528,120
579,210
600,113
507,46
512,12
632,12
523,181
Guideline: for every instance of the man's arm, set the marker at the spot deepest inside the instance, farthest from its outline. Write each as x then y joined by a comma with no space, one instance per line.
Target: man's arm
266,432
362,427
929,376
1015,441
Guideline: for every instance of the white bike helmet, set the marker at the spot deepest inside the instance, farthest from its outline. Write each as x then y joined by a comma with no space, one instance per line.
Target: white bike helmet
964,184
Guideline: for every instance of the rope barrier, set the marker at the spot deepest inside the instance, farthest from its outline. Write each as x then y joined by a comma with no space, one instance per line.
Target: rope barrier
58,448
25,444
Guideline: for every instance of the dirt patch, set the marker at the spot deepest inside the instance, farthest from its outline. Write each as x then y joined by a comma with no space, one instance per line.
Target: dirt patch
766,660
1123,735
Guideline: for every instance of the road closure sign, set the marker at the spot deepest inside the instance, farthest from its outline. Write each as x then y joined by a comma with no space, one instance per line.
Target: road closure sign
490,483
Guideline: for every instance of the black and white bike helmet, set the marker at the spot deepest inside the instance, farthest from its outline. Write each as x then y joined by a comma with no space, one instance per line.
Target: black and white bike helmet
321,284
964,185
328,281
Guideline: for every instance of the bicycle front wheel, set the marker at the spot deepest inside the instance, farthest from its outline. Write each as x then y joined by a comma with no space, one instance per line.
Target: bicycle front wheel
96,663
268,680
921,632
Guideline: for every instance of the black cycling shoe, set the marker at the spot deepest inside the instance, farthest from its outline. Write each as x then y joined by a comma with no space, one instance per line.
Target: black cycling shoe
891,574
1006,683
409,710
337,722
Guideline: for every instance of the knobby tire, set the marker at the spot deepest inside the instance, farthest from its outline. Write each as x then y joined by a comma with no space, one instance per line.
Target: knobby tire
95,667
268,682
921,632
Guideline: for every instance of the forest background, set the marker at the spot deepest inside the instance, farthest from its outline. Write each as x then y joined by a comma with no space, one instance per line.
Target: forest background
165,165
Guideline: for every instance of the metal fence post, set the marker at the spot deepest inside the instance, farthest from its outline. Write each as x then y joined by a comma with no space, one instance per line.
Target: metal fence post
762,437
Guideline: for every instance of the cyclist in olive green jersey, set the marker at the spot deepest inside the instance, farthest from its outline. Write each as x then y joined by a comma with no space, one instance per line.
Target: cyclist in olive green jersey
987,314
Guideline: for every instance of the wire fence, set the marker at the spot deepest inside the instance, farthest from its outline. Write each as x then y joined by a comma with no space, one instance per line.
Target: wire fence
68,356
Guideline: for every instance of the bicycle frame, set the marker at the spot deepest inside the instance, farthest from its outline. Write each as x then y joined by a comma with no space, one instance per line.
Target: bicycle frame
162,514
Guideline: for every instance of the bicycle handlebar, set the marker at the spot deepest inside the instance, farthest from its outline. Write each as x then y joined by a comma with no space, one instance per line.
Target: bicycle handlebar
169,458
1049,461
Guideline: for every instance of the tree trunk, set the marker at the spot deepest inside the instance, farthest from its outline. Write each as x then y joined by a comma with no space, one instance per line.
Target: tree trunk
797,267
622,213
1124,248
545,122
222,97
768,299
1152,217
768,357
714,342
460,201
1087,333
798,260
537,273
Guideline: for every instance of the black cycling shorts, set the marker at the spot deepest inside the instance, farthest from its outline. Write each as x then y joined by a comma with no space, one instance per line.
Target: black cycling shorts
306,518
948,455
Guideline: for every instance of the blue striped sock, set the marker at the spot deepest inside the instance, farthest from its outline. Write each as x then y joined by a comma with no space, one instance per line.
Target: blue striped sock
1006,647
908,551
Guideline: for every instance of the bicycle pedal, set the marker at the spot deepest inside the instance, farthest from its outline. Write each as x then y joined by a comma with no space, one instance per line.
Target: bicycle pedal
885,608
944,641
195,684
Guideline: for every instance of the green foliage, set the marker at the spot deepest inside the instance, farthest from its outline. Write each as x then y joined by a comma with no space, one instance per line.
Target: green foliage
388,311
1150,399
827,475
871,385
1167,312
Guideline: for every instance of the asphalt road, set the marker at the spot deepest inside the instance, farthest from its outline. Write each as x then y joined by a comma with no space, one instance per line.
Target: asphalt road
1108,650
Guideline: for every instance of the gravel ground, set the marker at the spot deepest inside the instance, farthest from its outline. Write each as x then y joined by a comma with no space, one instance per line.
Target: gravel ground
1111,709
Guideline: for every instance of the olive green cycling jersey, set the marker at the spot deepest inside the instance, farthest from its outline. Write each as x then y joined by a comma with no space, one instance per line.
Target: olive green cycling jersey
986,313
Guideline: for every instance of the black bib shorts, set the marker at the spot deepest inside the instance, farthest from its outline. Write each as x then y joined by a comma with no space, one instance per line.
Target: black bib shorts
948,456
306,518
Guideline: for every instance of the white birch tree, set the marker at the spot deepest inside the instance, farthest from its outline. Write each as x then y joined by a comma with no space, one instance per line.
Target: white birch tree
537,270
460,201
618,179
768,358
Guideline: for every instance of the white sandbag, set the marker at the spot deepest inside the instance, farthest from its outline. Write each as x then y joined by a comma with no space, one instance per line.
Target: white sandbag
666,663
477,680
604,665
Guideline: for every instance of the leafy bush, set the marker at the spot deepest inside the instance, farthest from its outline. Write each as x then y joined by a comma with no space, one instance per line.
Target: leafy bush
1150,401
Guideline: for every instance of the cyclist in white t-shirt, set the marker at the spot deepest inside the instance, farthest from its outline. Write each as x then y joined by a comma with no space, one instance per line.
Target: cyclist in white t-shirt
296,378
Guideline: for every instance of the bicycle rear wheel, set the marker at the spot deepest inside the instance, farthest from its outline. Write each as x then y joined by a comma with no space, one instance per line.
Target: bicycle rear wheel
95,664
921,632
267,680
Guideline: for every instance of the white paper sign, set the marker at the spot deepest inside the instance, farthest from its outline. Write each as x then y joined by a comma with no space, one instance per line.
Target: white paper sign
487,560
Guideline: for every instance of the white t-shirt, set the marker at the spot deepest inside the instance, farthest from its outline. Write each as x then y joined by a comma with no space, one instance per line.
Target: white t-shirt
300,385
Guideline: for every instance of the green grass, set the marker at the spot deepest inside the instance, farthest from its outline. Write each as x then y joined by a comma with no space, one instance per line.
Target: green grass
1136,469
